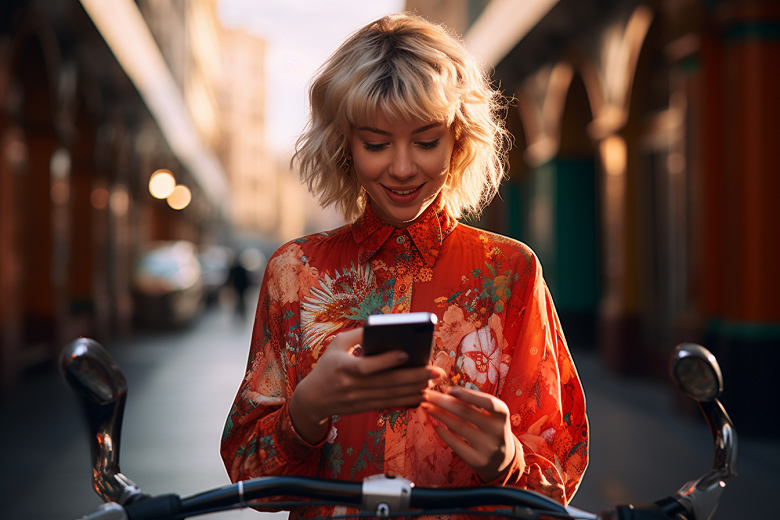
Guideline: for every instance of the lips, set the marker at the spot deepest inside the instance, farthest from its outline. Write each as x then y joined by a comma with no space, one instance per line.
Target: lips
403,195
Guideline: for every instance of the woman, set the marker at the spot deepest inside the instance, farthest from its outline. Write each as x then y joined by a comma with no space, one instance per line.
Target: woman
404,138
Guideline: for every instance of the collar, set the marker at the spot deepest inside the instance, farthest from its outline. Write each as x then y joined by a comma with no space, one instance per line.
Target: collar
427,232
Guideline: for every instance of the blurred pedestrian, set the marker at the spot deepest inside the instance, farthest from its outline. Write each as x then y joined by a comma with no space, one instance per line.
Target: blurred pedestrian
405,136
239,279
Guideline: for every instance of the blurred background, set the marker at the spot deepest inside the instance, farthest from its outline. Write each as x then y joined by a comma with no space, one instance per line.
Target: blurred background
144,180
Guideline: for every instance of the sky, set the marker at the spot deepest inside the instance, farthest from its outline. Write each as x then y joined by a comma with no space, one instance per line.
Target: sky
301,34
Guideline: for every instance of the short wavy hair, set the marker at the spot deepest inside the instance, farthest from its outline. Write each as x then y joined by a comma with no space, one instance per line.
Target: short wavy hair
409,68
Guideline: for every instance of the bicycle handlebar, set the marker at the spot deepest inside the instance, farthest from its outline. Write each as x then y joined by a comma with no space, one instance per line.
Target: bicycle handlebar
379,496
96,378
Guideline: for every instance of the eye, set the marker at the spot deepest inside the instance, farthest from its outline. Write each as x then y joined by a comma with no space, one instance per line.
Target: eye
428,145
374,147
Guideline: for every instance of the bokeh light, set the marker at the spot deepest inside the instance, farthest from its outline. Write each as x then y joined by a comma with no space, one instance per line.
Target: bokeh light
180,197
162,184
119,201
99,198
613,150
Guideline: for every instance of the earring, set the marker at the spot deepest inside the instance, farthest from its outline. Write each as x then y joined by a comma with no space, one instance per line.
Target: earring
346,165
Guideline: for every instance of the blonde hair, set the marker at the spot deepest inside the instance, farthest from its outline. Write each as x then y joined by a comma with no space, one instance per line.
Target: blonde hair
409,69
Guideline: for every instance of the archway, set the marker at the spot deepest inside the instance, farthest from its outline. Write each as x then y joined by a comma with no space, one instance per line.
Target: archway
575,282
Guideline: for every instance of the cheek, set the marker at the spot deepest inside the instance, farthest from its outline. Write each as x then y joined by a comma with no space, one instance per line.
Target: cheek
438,166
366,167
368,177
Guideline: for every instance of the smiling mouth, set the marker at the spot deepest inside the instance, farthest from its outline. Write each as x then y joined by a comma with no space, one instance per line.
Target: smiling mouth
403,192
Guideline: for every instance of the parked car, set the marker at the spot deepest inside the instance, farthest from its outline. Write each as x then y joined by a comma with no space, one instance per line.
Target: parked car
168,284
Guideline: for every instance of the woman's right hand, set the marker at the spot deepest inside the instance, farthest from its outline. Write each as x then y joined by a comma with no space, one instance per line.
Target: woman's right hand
343,384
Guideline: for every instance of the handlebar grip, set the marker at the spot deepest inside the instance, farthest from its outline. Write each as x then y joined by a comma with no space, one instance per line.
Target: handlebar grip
162,507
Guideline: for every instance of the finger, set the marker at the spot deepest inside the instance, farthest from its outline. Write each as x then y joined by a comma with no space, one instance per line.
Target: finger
460,408
380,362
485,410
475,424
383,370
409,375
466,429
344,341
476,447
479,399
379,393
385,402
463,449
439,374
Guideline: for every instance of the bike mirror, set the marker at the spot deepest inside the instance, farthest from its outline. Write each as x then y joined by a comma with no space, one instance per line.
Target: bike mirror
91,372
696,372
98,381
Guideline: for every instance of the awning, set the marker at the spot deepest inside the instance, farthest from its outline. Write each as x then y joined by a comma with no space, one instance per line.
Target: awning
501,26
127,35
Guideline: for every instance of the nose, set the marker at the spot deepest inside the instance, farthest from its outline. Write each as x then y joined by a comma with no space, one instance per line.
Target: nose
402,166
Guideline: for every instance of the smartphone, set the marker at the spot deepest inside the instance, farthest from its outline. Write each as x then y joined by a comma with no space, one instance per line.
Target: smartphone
411,332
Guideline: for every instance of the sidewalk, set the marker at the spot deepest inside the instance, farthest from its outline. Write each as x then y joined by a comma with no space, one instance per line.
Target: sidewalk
642,448
181,386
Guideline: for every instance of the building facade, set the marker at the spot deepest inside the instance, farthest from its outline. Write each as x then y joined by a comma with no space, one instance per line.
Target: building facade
84,122
644,174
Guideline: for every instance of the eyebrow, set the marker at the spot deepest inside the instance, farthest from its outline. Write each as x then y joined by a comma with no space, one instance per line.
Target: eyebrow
384,132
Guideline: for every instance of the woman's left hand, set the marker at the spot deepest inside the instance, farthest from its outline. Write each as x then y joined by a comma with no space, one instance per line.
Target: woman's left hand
476,427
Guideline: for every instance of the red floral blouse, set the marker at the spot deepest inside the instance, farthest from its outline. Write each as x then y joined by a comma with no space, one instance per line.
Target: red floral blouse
497,332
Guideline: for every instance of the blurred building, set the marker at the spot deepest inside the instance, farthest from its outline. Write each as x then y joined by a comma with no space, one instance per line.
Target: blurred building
250,166
94,97
645,173
268,198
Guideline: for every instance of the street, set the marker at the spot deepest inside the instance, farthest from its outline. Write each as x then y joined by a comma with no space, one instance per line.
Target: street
181,385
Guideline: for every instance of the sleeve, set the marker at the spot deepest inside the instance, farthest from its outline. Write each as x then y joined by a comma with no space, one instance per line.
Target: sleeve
259,439
543,392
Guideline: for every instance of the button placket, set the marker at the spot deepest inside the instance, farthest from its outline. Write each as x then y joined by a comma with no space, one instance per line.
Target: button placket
403,279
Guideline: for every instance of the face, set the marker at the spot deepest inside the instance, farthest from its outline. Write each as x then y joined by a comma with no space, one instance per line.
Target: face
402,166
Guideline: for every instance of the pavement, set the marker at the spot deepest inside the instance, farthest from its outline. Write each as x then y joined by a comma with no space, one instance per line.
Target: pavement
182,383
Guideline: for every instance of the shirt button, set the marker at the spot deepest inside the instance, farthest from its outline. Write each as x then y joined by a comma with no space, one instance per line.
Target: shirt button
400,240
402,288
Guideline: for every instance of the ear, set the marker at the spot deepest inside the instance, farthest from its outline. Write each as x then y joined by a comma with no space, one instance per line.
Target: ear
346,157
346,162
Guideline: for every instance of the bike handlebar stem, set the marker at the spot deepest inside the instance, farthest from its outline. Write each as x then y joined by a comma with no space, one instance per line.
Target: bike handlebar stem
701,496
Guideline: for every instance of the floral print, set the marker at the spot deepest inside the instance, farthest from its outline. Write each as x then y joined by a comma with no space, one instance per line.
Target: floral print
480,353
498,332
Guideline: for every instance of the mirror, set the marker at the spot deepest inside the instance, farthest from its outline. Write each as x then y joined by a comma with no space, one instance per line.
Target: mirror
696,372
101,386
91,372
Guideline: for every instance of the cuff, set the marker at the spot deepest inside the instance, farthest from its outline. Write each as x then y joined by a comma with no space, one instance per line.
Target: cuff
291,443
513,473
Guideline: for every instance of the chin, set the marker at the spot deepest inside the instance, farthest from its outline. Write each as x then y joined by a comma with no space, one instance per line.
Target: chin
406,218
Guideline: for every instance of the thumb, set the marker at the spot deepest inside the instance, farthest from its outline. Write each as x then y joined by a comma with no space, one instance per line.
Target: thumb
365,365
346,340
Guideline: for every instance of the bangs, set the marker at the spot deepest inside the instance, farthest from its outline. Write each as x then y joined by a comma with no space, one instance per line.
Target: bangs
403,90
